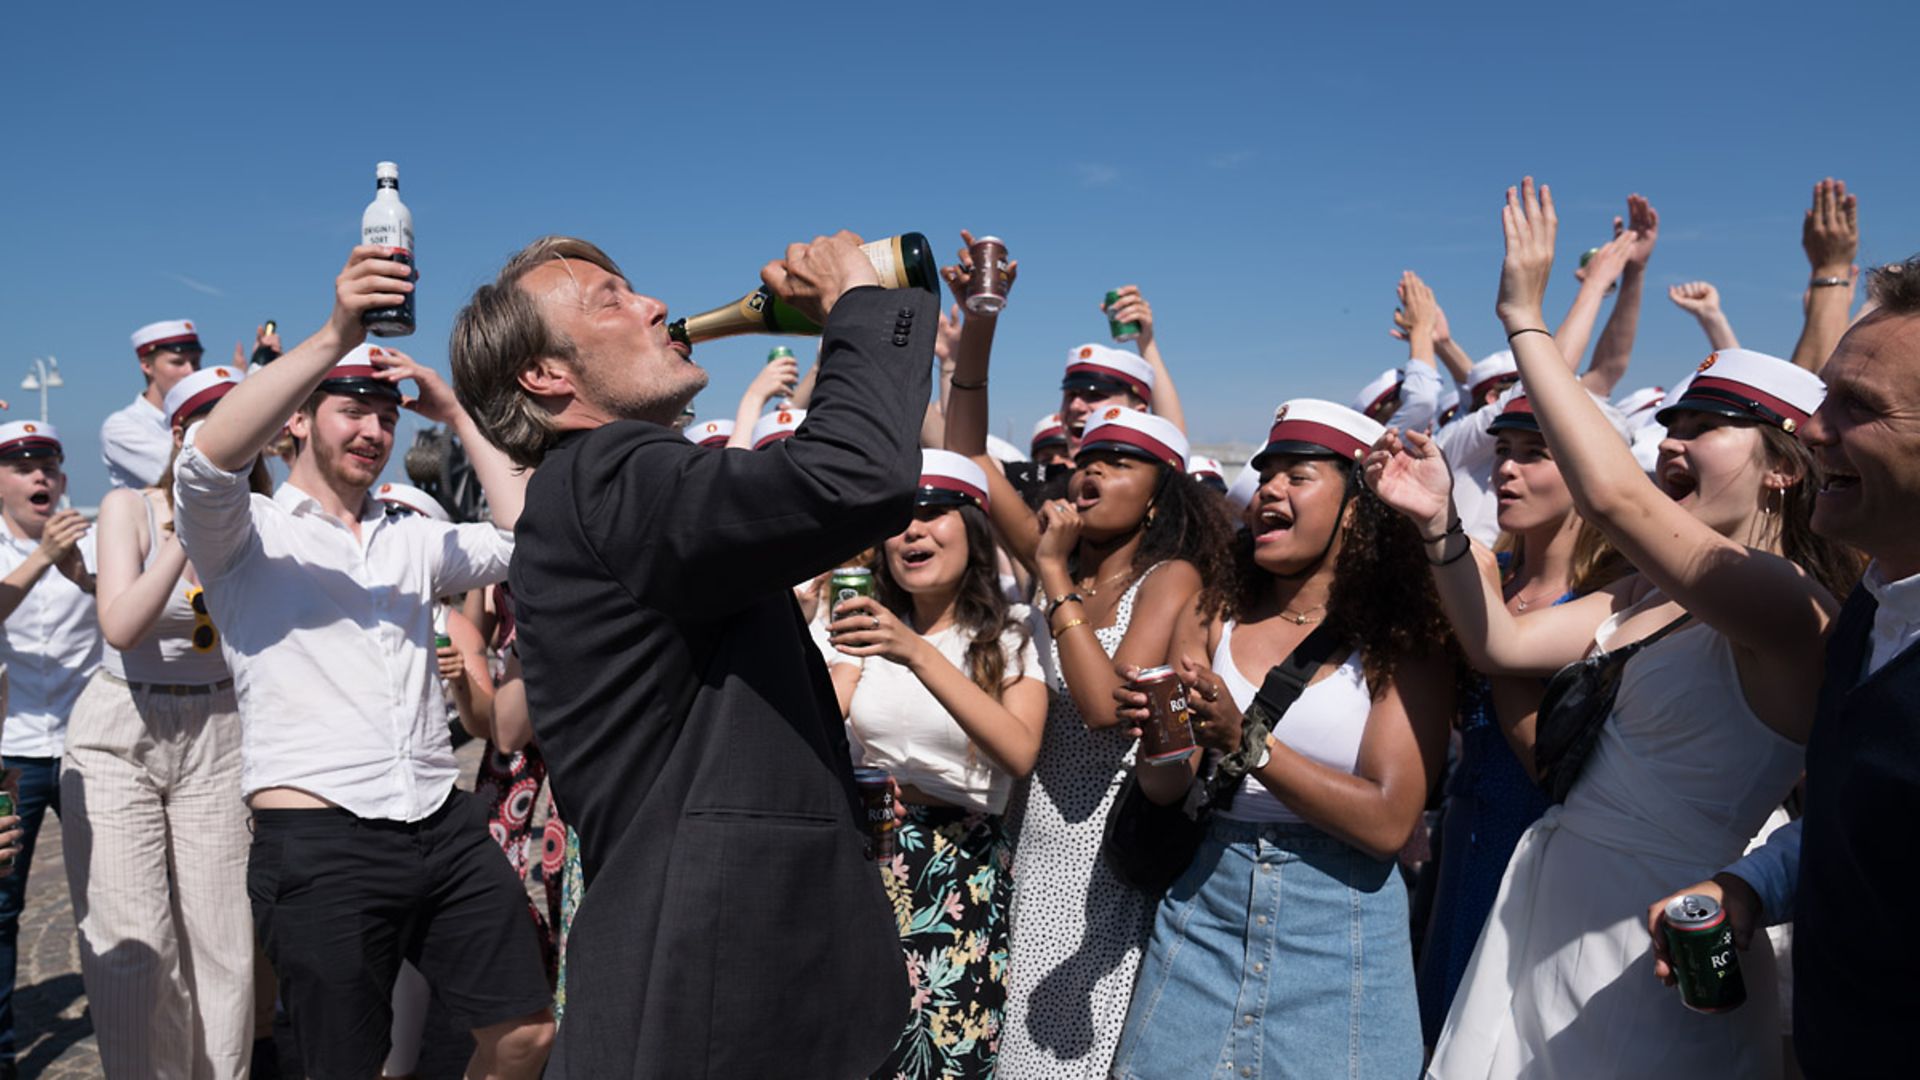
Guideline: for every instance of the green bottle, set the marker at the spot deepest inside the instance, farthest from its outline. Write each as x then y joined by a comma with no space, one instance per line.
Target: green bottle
904,261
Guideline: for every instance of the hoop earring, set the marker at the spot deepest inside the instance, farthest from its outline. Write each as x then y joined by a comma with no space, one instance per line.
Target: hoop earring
1151,510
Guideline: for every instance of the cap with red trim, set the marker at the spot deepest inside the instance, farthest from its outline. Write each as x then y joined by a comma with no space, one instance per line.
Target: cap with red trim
1379,393
1130,431
1309,427
354,375
198,391
155,336
1748,385
1482,376
776,425
1639,406
1208,471
950,479
408,497
1516,416
709,432
1048,432
1102,370
28,439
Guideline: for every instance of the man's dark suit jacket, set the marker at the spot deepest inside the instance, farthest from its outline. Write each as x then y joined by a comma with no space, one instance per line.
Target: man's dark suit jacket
732,925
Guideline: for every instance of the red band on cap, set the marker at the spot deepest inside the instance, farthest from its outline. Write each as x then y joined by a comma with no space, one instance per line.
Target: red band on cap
1480,388
1142,390
773,436
1050,435
1744,392
27,441
714,440
1306,431
161,343
196,402
1384,395
960,487
350,371
1140,440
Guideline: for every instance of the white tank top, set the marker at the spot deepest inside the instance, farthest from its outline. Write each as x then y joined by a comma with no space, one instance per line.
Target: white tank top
167,654
1324,725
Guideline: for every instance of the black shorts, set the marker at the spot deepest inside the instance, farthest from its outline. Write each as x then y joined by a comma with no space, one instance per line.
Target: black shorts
339,901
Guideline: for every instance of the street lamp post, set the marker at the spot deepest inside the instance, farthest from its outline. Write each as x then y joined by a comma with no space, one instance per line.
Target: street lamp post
43,375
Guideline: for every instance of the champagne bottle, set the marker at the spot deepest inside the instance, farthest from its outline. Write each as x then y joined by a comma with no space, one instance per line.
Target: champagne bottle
904,261
389,223
264,353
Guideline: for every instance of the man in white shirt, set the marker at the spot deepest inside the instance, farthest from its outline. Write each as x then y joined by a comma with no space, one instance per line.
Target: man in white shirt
364,854
50,644
1845,874
136,441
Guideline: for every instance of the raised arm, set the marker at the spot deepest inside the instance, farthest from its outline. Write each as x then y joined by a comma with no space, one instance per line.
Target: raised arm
1132,307
776,379
130,596
1455,359
1614,350
1831,238
1601,272
1420,386
255,411
504,483
1756,599
1702,301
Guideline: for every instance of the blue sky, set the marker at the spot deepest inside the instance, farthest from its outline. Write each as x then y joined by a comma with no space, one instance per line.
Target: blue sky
1264,172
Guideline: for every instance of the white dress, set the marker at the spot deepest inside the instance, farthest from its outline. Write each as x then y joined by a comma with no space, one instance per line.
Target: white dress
1076,930
1561,983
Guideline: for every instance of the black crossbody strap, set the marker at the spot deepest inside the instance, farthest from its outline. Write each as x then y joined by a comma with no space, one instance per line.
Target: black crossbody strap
1288,679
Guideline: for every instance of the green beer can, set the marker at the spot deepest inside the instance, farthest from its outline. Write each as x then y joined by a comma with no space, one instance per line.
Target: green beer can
1705,963
851,581
1121,331
779,352
6,804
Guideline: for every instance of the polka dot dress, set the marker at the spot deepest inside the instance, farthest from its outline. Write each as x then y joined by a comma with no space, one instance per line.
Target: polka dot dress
1076,930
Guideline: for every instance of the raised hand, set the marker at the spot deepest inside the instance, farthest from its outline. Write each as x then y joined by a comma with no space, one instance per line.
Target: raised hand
946,338
1643,227
1609,261
1417,300
776,379
1831,233
1530,225
1132,307
435,400
863,626
369,280
1411,475
956,276
813,276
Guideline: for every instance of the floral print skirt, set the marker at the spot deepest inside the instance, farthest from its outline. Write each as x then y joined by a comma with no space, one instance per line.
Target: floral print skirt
948,882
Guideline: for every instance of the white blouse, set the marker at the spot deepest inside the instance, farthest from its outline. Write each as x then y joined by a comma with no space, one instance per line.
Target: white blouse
895,723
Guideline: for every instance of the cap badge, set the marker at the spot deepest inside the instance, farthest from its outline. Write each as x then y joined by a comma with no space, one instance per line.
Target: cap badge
1712,358
1086,351
785,417
220,371
1787,425
28,428
384,488
189,324
1110,414
1279,414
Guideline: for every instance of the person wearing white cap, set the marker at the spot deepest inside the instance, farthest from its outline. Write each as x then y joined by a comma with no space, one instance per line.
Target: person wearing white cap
1703,699
49,648
1049,445
359,833
1467,441
1115,561
1325,789
1409,396
1210,473
683,714
771,428
941,687
709,433
1640,410
136,441
775,381
155,830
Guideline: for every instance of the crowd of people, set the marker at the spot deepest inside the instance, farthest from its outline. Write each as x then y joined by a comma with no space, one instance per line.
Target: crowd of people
1484,668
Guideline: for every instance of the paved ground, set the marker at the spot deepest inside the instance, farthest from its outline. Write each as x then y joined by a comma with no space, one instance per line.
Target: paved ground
54,1031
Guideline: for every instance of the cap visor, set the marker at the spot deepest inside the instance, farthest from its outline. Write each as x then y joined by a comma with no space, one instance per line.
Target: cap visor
1095,384
361,388
1293,448
1705,405
1128,449
1515,422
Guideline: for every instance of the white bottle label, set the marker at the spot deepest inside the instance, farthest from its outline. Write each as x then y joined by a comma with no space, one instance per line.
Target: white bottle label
388,224
884,255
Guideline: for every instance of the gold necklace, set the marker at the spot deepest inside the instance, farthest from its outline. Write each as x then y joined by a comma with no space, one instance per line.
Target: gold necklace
1521,603
1299,618
1093,590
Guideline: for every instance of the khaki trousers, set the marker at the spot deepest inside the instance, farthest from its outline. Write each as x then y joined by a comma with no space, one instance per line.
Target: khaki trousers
156,848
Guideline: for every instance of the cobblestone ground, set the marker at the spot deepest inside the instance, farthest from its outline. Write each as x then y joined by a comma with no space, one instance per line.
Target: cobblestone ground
55,1032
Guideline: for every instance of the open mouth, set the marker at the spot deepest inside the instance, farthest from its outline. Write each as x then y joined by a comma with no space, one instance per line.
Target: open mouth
1271,525
41,499
1677,483
916,557
364,454
1833,483
1076,428
1506,494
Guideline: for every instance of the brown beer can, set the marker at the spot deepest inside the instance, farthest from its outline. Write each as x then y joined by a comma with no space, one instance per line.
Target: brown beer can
1167,736
991,277
876,798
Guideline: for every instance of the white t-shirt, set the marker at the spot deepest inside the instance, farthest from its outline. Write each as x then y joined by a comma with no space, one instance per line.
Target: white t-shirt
895,723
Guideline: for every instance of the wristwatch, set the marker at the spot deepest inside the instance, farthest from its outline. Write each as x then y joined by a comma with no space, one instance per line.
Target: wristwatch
1266,755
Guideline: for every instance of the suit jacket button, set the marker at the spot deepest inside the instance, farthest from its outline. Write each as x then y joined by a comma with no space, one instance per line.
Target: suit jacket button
900,339
906,313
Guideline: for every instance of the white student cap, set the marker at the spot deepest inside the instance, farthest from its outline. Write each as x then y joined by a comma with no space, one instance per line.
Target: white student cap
1106,371
1130,431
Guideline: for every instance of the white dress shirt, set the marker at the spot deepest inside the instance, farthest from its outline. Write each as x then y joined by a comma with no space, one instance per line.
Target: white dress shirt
1774,868
330,636
1468,444
1419,396
136,443
50,645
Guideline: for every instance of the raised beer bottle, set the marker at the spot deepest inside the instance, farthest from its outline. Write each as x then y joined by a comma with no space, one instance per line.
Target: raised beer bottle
904,261
389,223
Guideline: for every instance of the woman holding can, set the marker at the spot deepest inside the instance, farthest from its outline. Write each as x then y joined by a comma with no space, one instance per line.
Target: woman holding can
939,680
1284,946
1703,735
1115,561
155,830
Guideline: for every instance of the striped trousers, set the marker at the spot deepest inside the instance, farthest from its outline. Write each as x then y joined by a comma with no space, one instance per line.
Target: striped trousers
156,849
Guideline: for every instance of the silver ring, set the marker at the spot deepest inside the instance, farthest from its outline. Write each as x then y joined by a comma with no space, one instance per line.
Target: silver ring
876,621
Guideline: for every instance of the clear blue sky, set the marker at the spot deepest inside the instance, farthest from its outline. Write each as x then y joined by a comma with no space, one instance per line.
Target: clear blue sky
1264,172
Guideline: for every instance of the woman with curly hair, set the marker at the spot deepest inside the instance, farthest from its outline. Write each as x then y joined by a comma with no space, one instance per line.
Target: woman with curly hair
940,684
1284,945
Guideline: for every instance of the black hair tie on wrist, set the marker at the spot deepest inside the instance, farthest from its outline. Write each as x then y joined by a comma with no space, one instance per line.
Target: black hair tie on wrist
1526,330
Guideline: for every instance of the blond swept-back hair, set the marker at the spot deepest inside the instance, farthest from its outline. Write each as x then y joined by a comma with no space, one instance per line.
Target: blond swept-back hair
499,335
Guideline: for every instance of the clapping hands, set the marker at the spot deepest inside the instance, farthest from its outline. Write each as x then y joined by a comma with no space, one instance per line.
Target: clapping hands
1530,225
1831,232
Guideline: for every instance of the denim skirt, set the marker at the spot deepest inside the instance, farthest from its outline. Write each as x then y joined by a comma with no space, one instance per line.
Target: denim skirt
1281,952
